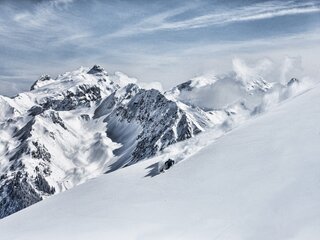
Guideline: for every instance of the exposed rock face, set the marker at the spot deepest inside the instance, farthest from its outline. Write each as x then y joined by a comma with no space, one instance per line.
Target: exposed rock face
161,122
57,119
40,152
186,86
84,95
96,69
17,193
43,185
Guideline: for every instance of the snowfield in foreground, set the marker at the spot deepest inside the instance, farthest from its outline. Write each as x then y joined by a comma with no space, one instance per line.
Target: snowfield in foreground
259,181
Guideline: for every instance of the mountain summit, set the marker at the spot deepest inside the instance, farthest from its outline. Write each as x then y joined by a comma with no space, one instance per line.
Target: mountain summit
96,69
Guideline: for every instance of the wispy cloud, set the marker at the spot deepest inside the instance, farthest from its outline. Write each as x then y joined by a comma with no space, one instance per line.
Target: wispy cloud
41,14
254,12
37,18
33,28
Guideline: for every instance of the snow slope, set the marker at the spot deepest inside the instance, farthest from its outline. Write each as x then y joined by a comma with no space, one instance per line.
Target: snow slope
259,181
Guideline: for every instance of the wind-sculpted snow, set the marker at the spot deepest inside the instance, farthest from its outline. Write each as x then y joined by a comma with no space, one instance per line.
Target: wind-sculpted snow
84,123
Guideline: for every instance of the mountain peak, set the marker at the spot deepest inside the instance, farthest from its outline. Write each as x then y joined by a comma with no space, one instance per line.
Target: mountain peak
42,78
96,69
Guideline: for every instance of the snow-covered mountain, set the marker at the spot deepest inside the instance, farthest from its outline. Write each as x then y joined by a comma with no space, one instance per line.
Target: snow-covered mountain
259,181
84,123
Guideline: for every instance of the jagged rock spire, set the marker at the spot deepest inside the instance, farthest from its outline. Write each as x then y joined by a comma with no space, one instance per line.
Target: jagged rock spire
43,78
96,69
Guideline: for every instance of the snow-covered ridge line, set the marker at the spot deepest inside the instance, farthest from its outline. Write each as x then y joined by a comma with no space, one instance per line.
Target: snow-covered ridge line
84,123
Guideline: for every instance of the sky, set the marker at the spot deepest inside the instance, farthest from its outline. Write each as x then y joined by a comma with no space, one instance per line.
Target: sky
155,41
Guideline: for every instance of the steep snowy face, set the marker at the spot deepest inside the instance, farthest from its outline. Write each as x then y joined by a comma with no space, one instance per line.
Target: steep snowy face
49,141
145,122
51,152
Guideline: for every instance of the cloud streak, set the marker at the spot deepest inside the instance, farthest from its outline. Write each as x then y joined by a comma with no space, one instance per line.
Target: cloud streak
39,25
259,11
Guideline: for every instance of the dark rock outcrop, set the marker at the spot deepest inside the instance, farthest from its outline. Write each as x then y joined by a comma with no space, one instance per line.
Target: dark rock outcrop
16,194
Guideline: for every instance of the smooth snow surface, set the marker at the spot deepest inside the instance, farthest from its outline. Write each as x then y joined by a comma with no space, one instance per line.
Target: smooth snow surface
260,181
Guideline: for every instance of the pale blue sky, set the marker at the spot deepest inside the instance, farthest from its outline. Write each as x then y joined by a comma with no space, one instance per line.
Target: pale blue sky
164,41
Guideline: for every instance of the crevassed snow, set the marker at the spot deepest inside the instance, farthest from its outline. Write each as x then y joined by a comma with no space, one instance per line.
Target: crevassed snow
259,181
